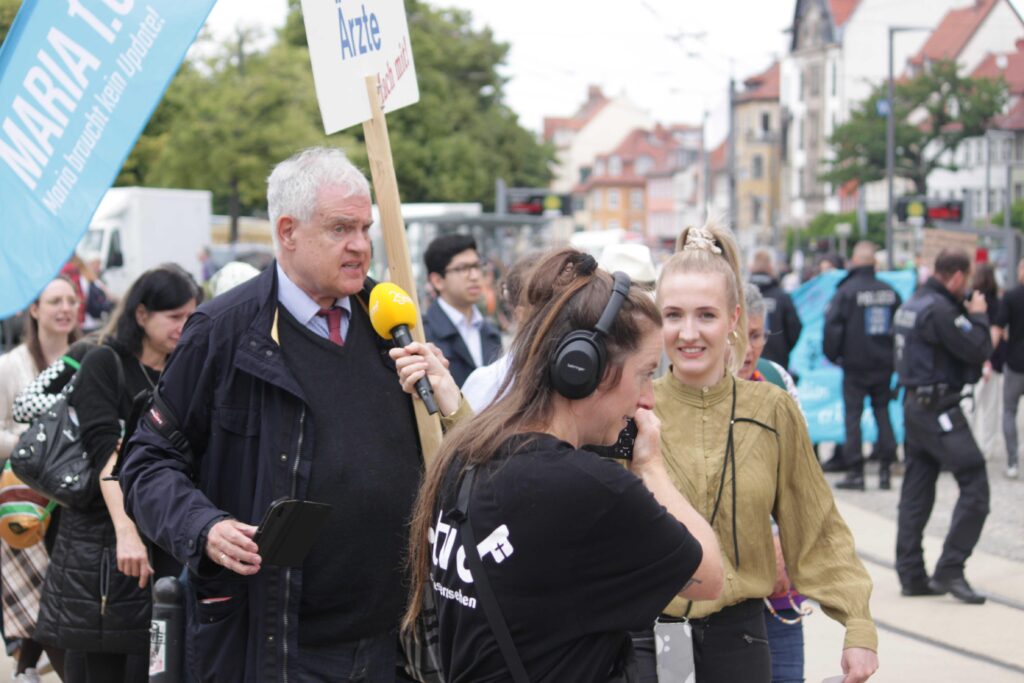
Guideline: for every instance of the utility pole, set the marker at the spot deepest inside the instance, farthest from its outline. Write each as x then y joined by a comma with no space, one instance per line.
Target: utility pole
733,219
890,143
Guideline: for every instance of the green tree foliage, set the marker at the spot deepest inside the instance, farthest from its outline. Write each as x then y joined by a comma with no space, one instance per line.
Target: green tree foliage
945,108
8,8
823,226
227,118
460,136
1016,216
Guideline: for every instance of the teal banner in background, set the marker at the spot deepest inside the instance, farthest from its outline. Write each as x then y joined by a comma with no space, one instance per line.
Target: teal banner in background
78,82
820,382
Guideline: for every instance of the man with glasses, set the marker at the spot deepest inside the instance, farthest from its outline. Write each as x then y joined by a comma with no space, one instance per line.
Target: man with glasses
453,322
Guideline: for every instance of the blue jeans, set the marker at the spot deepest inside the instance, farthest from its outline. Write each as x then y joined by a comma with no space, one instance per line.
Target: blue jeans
787,645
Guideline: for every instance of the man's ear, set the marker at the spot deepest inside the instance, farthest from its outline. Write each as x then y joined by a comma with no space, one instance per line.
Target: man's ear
436,282
285,228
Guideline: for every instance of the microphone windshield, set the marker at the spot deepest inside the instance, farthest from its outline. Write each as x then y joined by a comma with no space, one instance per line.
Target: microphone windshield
390,307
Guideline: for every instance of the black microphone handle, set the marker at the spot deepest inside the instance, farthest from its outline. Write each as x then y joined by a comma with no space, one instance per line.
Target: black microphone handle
402,338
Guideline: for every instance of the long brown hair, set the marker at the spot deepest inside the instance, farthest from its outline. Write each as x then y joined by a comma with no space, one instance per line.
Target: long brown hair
31,331
564,292
713,249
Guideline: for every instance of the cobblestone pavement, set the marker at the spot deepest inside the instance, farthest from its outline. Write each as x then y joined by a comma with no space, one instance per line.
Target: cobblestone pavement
1003,534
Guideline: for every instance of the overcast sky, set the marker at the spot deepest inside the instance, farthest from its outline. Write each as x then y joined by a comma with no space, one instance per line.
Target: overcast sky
671,57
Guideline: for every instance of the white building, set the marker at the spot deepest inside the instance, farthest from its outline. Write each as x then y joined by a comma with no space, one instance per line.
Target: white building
596,128
838,53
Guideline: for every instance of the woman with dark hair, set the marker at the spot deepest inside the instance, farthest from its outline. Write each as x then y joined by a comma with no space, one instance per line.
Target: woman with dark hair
50,327
582,549
985,418
95,602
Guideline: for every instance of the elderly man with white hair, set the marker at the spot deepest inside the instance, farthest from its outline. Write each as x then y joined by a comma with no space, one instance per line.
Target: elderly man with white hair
281,389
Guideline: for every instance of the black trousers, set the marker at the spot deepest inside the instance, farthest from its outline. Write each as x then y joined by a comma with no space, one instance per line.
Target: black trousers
932,444
103,667
730,646
855,390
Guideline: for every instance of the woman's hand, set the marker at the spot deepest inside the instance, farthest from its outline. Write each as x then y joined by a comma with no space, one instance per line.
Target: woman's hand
132,556
859,664
416,361
647,446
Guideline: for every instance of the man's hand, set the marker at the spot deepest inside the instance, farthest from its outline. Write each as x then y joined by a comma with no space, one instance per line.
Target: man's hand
230,545
132,557
416,361
859,664
977,304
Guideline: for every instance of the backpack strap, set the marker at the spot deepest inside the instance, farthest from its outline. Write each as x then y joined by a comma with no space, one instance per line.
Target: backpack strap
460,515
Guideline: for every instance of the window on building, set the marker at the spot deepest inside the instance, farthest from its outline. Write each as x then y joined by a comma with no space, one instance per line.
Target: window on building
800,134
636,226
612,198
614,225
644,164
636,199
766,123
614,166
1018,192
757,168
599,168
812,130
835,78
800,87
815,80
756,209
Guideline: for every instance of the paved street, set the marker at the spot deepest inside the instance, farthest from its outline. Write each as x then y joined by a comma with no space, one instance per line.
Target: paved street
935,639
931,640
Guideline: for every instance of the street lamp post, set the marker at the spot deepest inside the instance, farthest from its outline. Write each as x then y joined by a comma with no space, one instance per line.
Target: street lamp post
890,142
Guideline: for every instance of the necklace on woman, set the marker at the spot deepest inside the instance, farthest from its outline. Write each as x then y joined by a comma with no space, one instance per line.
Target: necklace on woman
145,374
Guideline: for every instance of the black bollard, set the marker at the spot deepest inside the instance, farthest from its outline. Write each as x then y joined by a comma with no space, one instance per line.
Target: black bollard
167,633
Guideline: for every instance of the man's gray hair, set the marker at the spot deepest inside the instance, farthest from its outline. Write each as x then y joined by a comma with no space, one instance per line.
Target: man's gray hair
754,301
293,184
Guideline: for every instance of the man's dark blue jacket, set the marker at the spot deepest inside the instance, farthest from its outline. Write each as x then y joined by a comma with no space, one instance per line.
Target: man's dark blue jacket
439,329
241,410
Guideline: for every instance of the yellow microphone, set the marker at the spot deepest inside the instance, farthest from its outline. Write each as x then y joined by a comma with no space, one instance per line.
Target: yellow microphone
393,314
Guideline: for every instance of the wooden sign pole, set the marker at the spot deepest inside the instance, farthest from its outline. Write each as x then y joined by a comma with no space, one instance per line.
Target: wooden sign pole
385,185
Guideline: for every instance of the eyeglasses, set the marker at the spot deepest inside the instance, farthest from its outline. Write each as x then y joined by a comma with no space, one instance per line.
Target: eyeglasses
465,269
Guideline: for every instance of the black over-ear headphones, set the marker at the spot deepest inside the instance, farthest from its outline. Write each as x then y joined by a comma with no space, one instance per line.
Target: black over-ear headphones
580,358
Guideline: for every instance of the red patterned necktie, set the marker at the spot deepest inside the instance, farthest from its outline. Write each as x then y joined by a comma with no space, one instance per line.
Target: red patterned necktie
333,315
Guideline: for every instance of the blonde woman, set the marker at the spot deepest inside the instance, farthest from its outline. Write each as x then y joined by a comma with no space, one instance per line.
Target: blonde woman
740,454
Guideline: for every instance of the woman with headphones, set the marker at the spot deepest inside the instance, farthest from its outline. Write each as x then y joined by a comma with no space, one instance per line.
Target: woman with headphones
739,451
572,550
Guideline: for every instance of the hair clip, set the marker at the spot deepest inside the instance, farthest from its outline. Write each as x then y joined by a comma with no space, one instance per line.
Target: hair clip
587,265
700,238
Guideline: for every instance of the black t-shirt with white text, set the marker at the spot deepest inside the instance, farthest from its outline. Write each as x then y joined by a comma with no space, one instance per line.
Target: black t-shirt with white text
577,551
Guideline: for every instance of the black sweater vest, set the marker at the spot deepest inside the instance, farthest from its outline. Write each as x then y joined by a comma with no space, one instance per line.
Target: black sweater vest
366,464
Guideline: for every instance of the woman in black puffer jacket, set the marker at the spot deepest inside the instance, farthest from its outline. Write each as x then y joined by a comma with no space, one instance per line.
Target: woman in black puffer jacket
96,603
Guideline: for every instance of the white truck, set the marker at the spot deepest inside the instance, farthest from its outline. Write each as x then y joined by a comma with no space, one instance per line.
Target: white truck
137,228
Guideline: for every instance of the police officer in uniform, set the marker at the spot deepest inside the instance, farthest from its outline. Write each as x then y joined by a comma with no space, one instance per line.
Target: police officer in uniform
940,347
858,337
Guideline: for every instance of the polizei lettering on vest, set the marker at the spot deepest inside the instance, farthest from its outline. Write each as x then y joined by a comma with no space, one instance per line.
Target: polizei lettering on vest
360,33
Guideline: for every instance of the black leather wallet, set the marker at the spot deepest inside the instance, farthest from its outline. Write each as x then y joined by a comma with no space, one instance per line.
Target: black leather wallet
288,530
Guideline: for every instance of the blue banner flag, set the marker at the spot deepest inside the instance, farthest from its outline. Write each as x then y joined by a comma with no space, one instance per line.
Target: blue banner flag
821,382
79,79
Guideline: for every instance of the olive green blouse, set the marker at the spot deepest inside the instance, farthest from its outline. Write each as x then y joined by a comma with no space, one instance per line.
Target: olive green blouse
777,475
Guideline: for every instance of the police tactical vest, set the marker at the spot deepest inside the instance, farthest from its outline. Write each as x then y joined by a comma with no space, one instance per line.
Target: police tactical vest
916,358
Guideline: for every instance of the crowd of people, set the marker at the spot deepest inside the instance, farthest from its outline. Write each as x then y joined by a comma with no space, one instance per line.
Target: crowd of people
531,554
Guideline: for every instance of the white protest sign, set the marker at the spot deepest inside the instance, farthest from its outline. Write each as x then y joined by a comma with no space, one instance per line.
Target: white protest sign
350,40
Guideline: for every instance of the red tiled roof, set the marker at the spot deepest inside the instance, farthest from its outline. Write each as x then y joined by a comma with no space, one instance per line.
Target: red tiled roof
596,100
1014,120
763,86
1008,66
954,32
842,9
656,144
719,157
